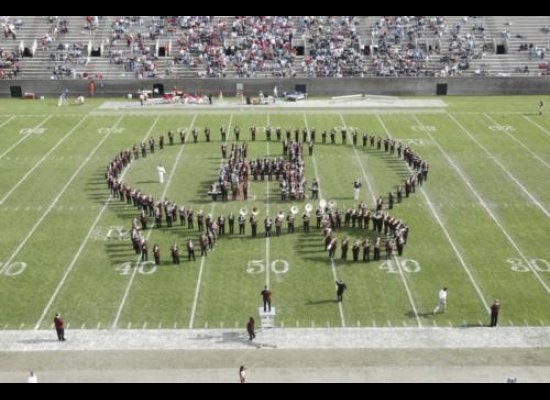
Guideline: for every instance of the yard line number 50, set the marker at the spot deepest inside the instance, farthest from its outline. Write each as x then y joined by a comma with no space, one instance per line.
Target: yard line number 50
258,266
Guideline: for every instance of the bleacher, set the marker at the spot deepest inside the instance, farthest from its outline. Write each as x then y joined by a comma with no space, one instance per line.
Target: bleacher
263,47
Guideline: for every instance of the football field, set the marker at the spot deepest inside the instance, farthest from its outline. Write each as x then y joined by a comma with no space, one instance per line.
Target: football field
479,226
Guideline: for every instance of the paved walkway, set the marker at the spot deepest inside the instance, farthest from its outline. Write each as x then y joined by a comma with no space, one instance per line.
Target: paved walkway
277,338
477,354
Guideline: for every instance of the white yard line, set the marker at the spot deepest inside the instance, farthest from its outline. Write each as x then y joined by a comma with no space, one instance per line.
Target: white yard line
39,162
163,195
371,190
547,165
537,125
445,232
23,138
496,160
332,264
487,209
84,243
54,202
203,260
267,239
7,121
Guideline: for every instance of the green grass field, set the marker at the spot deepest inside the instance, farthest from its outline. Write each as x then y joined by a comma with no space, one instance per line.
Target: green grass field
479,226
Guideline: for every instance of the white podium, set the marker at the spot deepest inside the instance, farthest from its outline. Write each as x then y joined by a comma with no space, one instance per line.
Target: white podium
267,317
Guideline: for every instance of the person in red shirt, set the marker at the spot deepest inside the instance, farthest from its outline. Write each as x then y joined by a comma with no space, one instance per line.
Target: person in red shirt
59,323
92,88
266,295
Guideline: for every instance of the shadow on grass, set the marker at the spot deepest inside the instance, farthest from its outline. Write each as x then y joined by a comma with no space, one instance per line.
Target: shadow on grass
319,302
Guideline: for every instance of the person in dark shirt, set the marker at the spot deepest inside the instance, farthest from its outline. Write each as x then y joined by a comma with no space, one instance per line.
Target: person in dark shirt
341,286
266,295
250,328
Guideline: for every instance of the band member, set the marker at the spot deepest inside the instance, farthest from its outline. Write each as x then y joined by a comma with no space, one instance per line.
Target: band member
144,251
356,189
182,136
306,218
224,150
207,133
344,133
332,247
345,247
333,136
161,142
354,137
390,200
366,250
312,135
324,136
223,133
291,220
242,221
171,137
541,106
253,224
190,250
377,245
278,133
143,220
267,224
310,148
365,137
355,250
278,224
195,135
268,133
175,252
314,189
156,254
253,132
237,132
231,221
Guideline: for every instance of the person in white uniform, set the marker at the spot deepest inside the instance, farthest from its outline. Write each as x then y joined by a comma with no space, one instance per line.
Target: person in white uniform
356,189
161,171
442,305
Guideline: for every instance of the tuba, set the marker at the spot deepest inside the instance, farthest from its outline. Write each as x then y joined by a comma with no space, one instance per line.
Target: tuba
323,204
308,207
294,210
255,211
332,204
243,211
281,216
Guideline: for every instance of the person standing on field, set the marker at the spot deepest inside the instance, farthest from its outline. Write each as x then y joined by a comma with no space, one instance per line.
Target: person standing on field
250,326
59,323
442,305
495,308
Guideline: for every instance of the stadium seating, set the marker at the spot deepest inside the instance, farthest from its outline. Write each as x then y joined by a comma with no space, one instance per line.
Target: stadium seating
122,47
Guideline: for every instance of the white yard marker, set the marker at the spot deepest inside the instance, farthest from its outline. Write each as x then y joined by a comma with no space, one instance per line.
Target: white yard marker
54,202
547,165
496,160
203,259
23,138
332,264
163,195
84,242
371,190
487,209
39,162
435,214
